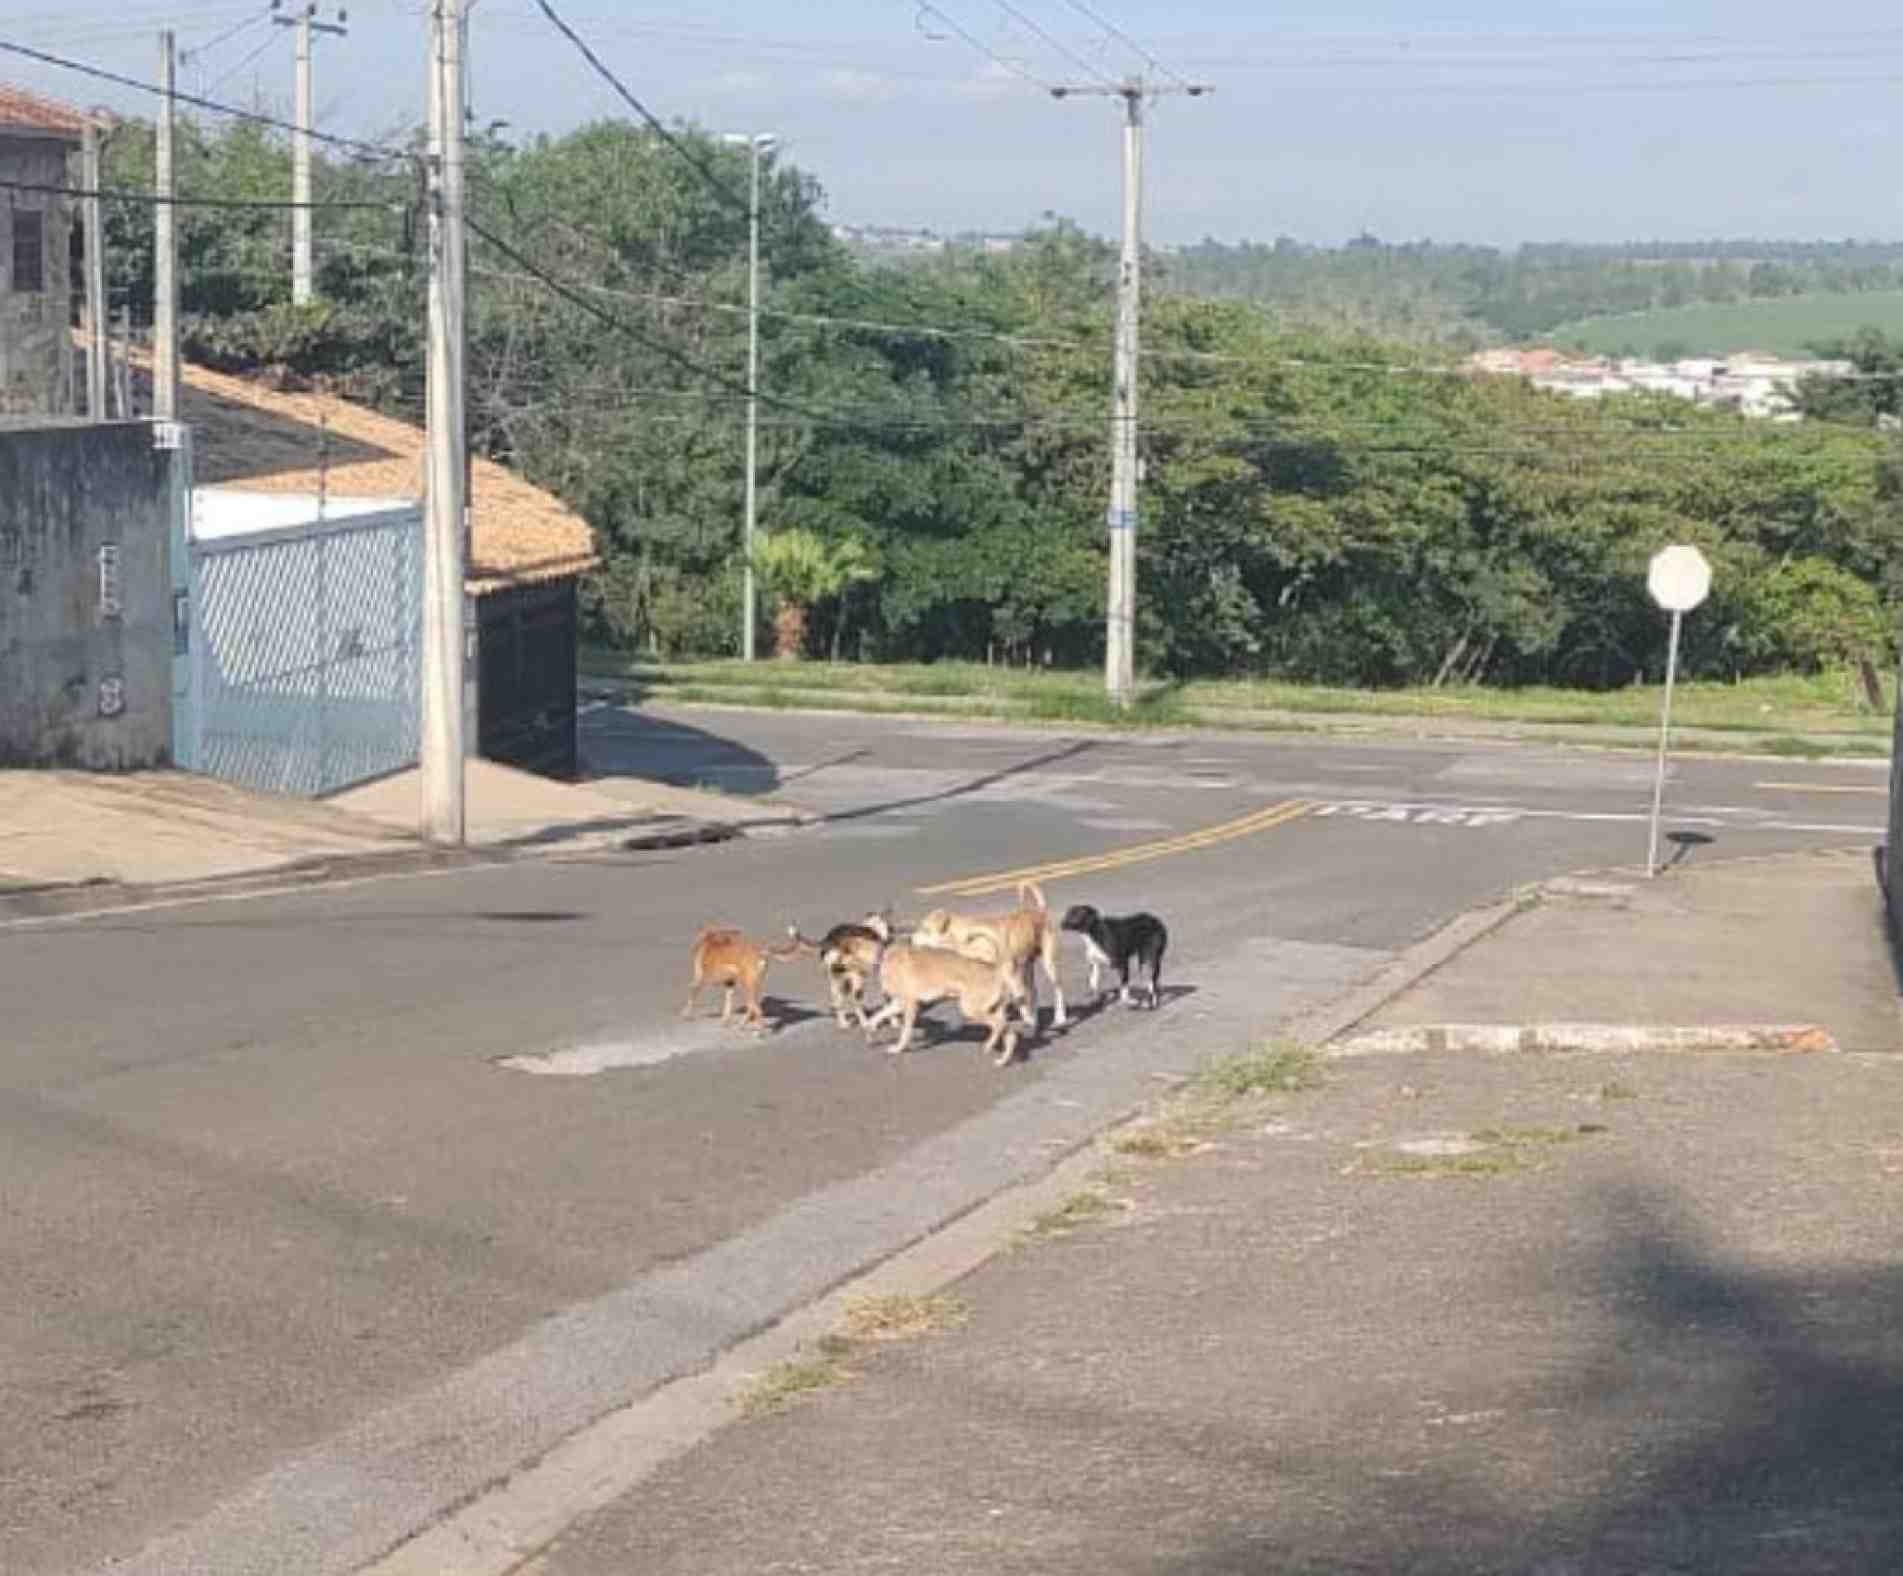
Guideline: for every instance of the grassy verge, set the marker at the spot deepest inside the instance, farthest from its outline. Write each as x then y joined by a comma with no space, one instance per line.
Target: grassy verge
1773,714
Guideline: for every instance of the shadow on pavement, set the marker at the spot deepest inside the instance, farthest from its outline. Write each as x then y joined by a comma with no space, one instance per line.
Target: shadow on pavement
619,740
1003,774
1732,1420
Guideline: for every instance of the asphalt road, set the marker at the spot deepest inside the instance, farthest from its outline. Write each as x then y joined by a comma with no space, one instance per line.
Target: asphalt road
307,1234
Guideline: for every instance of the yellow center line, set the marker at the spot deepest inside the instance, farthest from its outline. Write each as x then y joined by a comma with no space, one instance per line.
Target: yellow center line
1136,853
1879,788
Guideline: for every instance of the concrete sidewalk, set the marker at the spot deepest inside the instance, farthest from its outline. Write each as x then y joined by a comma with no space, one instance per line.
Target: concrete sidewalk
1599,1311
75,841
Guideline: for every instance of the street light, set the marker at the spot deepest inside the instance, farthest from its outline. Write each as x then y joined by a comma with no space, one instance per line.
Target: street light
756,143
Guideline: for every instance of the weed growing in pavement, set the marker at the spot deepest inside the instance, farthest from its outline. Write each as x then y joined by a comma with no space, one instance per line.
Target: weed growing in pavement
1080,1209
790,1381
900,1317
1486,1152
1275,1068
1616,1090
897,1316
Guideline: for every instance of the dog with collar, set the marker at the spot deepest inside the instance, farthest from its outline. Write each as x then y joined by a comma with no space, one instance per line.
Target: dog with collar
1112,942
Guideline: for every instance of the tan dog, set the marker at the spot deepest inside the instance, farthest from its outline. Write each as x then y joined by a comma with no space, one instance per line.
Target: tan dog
850,956
724,956
1019,940
913,977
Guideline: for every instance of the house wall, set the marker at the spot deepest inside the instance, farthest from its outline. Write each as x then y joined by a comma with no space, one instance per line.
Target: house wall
36,347
80,683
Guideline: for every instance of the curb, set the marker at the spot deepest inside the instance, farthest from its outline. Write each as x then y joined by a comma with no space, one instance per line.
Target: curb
76,899
61,900
1501,1039
1334,724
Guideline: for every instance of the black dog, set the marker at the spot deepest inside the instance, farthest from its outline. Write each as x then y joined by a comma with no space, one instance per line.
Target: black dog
1113,943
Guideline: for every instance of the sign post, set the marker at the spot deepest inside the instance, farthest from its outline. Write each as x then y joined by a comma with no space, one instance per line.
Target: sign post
1679,579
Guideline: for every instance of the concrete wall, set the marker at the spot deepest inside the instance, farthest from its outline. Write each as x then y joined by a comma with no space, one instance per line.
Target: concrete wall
37,355
80,684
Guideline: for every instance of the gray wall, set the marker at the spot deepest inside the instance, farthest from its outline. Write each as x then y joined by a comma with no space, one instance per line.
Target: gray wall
37,356
80,686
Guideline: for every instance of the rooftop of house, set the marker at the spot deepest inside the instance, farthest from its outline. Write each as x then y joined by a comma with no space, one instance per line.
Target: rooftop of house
248,435
31,114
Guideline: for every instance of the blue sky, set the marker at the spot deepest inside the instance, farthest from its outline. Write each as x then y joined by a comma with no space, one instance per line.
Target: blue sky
1464,120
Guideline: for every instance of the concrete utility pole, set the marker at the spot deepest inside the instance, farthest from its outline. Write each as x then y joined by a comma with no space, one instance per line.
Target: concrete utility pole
306,23
165,247
443,658
756,143
95,275
1120,616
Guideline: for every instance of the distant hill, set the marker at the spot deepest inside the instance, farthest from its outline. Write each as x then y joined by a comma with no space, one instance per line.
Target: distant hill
1787,327
1468,296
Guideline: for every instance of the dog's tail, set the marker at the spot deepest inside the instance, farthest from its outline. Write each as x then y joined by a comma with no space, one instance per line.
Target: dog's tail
1034,890
982,948
796,944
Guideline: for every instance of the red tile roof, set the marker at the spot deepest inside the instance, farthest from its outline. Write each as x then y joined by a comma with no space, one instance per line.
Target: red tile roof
24,111
254,438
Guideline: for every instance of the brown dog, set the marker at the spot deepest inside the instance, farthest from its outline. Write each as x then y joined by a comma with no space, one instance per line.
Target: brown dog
1019,940
724,956
913,977
850,955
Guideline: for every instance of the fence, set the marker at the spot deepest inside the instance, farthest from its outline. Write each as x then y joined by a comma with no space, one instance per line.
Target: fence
305,652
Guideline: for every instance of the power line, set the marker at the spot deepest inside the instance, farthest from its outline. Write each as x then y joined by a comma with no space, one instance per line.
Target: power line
187,56
153,199
925,9
99,73
660,348
700,164
1057,44
1109,27
231,71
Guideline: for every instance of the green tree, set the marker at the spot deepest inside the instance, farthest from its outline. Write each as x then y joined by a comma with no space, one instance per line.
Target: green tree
798,569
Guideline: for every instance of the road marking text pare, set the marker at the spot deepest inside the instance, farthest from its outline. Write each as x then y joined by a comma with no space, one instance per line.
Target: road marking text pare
1416,814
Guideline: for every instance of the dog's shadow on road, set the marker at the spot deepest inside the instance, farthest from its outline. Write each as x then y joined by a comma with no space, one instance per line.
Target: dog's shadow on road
1083,1011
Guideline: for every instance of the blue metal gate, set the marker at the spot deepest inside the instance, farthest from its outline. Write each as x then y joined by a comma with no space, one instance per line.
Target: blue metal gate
305,653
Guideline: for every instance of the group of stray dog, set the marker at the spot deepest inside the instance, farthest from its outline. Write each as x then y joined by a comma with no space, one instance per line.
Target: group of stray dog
982,963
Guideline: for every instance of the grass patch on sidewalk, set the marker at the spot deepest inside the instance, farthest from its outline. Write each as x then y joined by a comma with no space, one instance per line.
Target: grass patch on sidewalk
896,1316
901,1317
1485,1152
1769,714
788,1382
1080,1209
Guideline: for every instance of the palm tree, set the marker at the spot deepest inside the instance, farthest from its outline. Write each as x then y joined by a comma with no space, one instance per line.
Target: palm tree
798,568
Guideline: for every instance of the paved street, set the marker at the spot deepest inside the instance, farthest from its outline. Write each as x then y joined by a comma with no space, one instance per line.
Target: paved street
308,1236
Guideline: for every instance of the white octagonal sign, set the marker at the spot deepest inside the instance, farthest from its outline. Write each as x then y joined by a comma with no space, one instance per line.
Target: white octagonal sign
1679,578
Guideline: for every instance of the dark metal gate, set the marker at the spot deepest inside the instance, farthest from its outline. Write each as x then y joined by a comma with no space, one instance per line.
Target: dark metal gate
525,692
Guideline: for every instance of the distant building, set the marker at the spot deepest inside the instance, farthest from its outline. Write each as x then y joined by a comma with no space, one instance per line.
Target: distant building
1750,382
39,146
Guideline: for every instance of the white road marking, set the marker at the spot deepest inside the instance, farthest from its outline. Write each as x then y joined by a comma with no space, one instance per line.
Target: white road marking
1472,816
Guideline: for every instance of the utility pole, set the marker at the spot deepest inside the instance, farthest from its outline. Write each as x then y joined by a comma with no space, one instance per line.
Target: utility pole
90,159
443,658
757,143
306,23
1120,615
165,243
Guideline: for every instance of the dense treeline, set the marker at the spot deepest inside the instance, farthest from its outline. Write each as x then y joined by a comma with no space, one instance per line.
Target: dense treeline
1466,296
933,441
